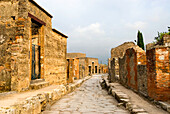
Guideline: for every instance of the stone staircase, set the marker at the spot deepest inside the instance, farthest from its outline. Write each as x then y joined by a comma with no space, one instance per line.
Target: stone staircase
38,84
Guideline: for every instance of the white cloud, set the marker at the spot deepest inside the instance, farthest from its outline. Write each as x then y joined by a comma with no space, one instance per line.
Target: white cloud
137,25
117,21
93,28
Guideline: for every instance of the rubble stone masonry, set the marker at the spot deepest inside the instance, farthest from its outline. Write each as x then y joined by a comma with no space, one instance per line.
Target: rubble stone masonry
133,70
116,53
128,69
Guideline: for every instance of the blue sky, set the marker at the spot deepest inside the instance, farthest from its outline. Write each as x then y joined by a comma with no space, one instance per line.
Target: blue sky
96,26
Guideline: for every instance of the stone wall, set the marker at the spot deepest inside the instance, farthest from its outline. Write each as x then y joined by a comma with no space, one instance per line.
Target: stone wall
70,71
7,37
82,65
76,55
16,17
112,71
158,73
76,65
118,52
128,69
133,70
55,59
14,43
142,79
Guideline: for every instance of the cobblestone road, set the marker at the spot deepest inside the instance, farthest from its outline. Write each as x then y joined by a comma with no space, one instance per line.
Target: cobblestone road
88,99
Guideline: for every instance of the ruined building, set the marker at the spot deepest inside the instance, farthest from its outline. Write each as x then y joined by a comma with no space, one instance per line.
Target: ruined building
128,66
116,53
31,51
73,66
132,70
146,73
79,66
158,69
103,68
90,64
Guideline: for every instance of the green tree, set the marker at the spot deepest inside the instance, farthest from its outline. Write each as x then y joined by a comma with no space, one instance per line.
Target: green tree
140,42
161,35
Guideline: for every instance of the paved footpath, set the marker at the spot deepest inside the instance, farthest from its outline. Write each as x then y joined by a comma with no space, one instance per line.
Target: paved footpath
88,99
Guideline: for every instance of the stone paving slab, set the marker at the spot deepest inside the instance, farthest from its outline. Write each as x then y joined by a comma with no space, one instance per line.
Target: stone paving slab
90,98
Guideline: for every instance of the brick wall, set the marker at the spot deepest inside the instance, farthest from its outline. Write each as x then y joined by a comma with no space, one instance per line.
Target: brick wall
158,73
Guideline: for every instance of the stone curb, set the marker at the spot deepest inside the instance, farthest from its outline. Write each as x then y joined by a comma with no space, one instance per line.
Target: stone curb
122,98
164,105
41,101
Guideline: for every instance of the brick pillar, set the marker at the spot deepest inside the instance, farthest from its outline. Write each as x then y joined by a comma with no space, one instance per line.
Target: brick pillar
158,73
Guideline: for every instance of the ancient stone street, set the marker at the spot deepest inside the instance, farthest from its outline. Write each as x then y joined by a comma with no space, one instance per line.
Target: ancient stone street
88,99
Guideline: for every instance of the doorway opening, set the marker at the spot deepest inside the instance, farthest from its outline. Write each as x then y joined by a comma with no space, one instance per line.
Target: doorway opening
95,69
89,70
92,67
36,50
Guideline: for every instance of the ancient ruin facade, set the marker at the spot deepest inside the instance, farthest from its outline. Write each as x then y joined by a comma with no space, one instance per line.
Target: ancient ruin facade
130,61
103,68
116,53
146,73
89,65
74,69
132,70
29,46
79,66
158,69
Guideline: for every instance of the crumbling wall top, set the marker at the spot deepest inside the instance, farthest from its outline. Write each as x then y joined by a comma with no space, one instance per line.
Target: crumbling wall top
121,49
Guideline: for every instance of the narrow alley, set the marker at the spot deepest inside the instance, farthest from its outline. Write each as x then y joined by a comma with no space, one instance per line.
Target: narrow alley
88,99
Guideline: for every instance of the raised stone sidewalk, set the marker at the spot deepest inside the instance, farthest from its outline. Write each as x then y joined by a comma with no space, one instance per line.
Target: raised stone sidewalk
130,100
35,101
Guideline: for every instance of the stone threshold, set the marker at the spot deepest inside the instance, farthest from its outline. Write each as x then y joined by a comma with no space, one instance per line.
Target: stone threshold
41,101
38,84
